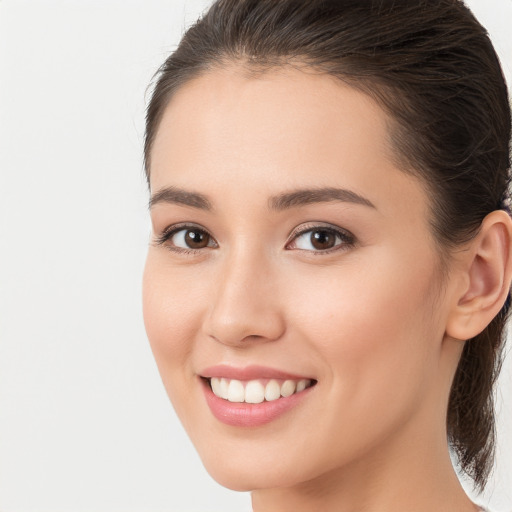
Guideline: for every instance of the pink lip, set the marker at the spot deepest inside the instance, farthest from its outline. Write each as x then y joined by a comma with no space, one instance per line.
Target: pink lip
244,414
252,372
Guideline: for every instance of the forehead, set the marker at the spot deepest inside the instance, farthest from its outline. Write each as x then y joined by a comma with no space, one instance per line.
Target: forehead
230,96
281,129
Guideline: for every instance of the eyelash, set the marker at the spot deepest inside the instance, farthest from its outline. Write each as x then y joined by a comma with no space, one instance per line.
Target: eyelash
347,239
170,231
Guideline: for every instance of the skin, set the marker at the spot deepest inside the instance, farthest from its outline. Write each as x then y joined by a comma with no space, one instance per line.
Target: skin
370,320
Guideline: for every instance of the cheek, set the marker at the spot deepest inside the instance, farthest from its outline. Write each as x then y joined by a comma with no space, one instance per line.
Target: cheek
172,304
171,307
371,333
371,321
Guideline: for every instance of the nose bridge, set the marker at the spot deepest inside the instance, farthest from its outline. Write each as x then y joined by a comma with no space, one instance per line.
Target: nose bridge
245,305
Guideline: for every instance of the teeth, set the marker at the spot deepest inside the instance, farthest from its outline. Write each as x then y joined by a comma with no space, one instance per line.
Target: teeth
224,384
215,383
253,391
220,387
272,391
236,391
288,388
301,385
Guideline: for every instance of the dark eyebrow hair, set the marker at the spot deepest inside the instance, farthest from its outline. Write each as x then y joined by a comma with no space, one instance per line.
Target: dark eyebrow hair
316,195
283,201
179,196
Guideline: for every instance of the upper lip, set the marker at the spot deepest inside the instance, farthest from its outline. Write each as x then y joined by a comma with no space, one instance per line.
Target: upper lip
251,372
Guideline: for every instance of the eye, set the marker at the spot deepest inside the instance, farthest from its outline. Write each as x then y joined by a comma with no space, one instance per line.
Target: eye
186,238
321,239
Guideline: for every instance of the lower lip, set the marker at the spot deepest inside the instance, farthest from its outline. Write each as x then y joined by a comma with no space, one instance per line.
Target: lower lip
251,415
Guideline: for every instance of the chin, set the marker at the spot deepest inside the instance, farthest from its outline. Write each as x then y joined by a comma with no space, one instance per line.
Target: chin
246,478
238,473
265,471
233,481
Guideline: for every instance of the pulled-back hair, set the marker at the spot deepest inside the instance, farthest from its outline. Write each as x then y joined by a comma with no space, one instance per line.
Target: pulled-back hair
431,66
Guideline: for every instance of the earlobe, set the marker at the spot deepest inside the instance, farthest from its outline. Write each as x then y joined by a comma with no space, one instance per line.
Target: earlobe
488,273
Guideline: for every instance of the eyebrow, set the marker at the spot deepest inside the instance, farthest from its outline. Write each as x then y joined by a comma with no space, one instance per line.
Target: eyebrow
317,195
176,195
284,201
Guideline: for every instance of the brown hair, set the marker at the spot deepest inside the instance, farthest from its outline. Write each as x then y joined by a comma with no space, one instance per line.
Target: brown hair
432,67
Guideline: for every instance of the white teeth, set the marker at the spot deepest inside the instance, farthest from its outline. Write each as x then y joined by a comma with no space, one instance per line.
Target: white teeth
301,385
272,390
215,382
253,391
220,387
224,383
236,392
288,388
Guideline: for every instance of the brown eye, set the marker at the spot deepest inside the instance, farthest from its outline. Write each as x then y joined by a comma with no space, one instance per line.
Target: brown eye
322,240
196,239
187,238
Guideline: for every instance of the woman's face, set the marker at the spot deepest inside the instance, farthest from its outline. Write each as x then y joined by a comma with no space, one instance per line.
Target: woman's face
287,246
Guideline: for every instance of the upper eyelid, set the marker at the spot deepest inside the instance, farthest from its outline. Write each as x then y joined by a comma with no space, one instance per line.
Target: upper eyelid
182,225
171,230
175,228
319,226
347,238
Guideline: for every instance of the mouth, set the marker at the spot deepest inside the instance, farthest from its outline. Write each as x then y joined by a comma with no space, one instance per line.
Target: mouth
256,391
252,396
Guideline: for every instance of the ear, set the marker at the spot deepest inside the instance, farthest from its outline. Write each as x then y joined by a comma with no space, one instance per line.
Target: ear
487,273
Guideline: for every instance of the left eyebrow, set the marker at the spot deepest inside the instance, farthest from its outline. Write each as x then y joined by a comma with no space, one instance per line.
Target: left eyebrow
303,197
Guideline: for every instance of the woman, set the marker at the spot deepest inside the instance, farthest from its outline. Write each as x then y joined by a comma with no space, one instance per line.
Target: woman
327,284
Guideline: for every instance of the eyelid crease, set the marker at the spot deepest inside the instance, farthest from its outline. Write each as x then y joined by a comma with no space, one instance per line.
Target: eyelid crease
308,226
318,226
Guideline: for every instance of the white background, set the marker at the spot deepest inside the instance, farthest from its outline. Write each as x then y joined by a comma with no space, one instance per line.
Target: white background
84,421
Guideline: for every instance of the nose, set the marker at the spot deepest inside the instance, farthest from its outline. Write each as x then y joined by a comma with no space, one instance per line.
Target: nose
245,307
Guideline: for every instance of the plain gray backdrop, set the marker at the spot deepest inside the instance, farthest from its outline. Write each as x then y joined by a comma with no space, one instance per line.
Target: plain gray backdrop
85,425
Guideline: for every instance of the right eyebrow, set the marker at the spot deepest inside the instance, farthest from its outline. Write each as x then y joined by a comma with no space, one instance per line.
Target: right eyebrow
175,195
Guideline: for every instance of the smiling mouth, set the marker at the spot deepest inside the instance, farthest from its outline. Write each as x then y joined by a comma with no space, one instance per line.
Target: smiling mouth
257,391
